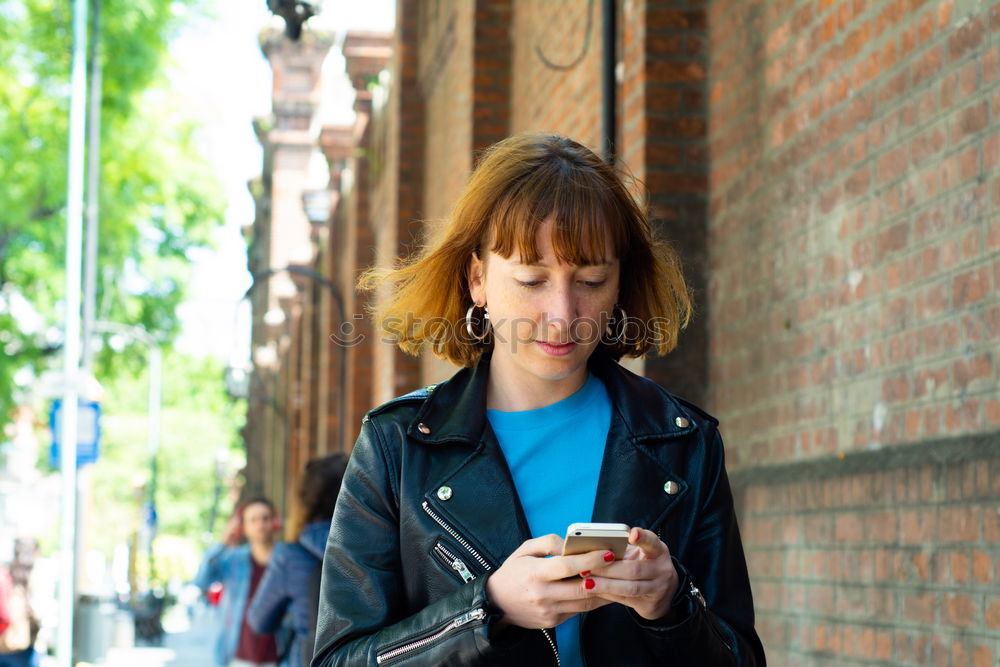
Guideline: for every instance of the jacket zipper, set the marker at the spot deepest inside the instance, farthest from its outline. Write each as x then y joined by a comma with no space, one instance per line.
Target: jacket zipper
482,561
552,645
454,533
455,623
454,562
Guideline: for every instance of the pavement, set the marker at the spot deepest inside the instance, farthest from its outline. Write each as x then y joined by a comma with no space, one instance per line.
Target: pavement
189,642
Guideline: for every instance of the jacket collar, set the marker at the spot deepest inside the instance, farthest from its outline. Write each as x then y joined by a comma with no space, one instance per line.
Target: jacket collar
455,410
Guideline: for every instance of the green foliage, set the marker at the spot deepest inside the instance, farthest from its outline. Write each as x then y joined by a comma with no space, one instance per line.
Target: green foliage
198,421
157,198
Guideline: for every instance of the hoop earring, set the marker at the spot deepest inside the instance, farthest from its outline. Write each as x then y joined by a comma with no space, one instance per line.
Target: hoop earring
486,323
617,325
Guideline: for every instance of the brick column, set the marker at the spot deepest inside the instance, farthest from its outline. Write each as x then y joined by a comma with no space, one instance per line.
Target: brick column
664,131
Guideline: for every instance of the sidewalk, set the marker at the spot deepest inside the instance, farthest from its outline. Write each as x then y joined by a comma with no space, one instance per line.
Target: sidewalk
188,643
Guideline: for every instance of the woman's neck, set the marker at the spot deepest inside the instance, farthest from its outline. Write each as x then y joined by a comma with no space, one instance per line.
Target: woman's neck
261,551
510,391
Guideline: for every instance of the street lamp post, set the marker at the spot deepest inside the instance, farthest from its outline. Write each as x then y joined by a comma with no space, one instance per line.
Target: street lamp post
155,401
295,13
331,287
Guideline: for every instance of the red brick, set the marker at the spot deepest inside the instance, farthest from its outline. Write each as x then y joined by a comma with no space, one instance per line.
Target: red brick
970,287
991,65
939,654
921,566
991,409
675,72
958,653
991,524
959,524
982,567
896,388
991,152
968,121
966,371
967,36
959,567
919,608
968,79
982,656
918,526
959,610
944,13
929,64
992,616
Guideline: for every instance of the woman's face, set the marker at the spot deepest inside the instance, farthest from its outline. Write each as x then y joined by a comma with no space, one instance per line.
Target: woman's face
258,523
548,317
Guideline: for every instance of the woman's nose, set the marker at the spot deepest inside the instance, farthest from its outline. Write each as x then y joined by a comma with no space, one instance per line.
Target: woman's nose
561,311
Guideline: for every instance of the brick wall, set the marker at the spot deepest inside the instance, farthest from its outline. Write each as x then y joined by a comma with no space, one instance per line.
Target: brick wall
664,143
397,200
565,101
854,321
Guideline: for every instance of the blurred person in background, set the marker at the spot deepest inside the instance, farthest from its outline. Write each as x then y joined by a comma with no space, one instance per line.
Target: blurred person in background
18,625
291,582
239,567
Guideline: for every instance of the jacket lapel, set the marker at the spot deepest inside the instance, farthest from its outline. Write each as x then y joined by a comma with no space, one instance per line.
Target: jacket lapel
481,502
638,485
633,484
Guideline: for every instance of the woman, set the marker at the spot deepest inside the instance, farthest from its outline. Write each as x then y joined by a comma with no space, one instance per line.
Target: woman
291,582
445,547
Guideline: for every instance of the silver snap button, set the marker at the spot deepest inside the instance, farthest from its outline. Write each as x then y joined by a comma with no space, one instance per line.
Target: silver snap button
671,488
423,428
444,493
682,422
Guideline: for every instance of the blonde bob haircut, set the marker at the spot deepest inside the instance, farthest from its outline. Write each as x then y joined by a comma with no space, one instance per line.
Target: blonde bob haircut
519,183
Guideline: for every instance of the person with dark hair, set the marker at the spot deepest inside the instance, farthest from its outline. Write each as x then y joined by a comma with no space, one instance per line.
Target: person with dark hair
239,567
291,582
446,546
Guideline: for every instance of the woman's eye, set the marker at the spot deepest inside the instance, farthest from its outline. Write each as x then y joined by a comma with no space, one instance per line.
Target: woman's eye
529,283
593,283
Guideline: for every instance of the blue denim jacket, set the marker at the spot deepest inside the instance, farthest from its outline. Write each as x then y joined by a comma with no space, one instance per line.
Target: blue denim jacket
231,567
286,587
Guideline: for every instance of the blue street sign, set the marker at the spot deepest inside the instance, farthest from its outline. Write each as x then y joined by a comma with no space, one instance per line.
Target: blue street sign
88,432
149,516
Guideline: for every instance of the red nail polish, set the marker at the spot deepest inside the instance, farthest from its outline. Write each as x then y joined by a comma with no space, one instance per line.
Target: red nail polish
585,573
608,557
589,584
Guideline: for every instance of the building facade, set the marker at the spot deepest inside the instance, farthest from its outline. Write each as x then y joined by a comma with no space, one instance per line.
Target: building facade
829,171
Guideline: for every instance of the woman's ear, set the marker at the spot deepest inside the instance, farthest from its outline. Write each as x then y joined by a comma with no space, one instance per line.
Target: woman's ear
476,279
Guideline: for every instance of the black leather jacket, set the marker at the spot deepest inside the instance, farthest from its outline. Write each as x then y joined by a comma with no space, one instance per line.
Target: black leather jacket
428,510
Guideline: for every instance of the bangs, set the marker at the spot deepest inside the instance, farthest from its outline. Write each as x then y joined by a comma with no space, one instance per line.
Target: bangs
589,215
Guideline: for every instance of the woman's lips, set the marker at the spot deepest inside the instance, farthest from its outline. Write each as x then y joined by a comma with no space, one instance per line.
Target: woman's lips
556,350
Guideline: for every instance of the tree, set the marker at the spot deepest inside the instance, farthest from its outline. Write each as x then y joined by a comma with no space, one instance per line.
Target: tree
158,199
198,421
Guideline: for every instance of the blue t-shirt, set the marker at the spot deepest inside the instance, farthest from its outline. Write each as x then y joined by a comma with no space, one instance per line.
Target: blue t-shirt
554,454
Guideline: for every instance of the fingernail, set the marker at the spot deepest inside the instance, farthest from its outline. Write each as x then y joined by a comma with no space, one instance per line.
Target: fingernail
589,584
585,573
608,557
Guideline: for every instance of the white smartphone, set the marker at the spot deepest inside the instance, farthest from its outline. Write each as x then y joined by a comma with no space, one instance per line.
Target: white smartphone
582,538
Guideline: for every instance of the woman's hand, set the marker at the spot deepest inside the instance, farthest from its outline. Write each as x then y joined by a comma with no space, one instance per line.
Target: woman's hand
534,591
232,533
645,579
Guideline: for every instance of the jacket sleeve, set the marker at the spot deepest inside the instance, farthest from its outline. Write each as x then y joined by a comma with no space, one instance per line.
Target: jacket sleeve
712,618
271,600
362,604
212,567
